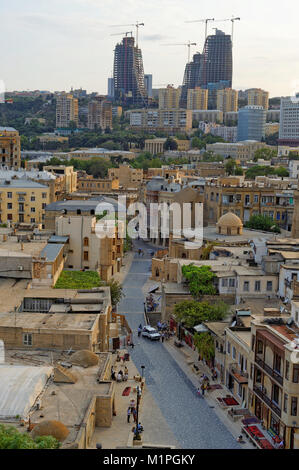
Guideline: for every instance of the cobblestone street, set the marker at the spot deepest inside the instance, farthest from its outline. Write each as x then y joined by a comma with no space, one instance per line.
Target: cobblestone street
192,421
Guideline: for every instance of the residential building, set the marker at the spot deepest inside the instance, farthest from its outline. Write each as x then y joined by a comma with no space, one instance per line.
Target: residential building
252,123
213,89
227,100
231,118
66,110
166,120
229,134
241,151
10,148
289,121
211,115
271,128
67,175
88,184
100,113
169,98
126,176
128,74
117,111
258,97
197,98
23,201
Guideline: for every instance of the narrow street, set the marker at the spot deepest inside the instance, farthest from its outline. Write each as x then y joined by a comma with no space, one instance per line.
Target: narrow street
193,423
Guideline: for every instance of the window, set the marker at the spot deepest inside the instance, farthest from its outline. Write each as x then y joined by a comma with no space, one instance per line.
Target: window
32,220
269,286
32,209
294,405
86,241
296,373
27,339
32,199
234,352
9,216
260,347
277,363
287,370
9,195
258,376
9,205
43,205
232,283
224,282
256,198
257,286
275,394
44,195
285,403
246,286
228,348
85,256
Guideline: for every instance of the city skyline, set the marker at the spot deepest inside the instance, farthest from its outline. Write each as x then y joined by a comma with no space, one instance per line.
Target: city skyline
58,51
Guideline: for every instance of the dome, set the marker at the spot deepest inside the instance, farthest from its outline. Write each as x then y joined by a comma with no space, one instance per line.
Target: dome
84,358
50,428
230,220
230,224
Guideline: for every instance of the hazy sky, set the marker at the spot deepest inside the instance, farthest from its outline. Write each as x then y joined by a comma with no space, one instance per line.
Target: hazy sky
57,44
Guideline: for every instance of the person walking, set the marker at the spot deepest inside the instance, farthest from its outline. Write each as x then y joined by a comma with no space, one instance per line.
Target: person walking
163,337
128,414
203,390
134,412
139,331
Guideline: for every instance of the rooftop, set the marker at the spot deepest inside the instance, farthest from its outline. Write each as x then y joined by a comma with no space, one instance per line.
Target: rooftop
51,251
21,183
48,321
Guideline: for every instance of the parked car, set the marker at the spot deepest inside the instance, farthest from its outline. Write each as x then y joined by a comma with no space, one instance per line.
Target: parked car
151,333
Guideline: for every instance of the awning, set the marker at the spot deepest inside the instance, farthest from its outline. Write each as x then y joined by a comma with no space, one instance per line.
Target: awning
200,328
271,338
153,289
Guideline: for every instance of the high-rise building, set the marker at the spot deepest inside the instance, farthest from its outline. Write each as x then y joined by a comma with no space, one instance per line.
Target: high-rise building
251,123
66,110
148,81
191,78
289,121
100,113
10,148
169,98
227,100
258,97
111,87
217,59
197,98
213,89
129,86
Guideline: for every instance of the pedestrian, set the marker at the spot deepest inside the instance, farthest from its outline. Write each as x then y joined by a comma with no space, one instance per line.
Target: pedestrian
198,392
203,390
132,345
139,331
126,370
163,337
134,412
132,404
128,414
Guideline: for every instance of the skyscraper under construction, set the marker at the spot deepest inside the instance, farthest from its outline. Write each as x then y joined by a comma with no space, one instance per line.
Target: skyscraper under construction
211,69
129,86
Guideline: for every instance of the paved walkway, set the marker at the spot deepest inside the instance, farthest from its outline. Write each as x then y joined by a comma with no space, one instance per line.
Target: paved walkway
192,421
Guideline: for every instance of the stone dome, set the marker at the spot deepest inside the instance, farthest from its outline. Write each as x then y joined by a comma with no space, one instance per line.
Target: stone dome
50,428
84,358
230,224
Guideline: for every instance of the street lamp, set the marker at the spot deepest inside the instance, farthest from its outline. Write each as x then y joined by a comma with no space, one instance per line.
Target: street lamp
142,371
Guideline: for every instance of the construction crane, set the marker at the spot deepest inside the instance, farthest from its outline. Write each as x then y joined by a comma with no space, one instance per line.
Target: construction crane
157,85
206,21
121,34
137,26
188,44
233,19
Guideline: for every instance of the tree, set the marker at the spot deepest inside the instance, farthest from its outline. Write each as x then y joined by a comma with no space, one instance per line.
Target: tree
11,438
230,166
170,144
197,143
116,291
200,279
264,154
264,223
192,312
205,345
73,125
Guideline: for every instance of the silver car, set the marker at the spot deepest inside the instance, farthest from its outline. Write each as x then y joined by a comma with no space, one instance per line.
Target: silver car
151,333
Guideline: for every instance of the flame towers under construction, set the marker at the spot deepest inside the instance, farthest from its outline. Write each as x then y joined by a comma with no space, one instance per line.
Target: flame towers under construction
129,86
214,65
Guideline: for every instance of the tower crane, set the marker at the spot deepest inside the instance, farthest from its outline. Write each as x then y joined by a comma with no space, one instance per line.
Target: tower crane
233,19
137,26
206,21
188,44
121,34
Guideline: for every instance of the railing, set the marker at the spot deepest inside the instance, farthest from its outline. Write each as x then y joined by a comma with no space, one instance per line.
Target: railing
275,375
235,369
267,400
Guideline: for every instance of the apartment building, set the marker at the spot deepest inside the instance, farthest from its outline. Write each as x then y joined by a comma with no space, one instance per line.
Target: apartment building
247,199
208,115
166,120
227,100
252,123
169,98
274,377
88,184
10,148
66,175
127,176
197,98
100,113
258,97
240,151
289,121
23,201
66,110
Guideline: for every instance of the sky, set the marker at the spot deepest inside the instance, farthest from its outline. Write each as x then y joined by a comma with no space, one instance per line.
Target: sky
59,44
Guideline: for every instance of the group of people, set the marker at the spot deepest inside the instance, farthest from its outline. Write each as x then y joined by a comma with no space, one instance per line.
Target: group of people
140,252
151,305
120,376
205,384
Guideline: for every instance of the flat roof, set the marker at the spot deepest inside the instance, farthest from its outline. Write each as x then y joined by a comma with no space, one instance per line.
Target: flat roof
51,251
49,321
58,239
22,183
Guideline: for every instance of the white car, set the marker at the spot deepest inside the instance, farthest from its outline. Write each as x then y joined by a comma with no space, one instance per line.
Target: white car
151,333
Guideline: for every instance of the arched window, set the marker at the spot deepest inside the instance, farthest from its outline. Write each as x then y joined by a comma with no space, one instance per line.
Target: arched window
157,272
85,241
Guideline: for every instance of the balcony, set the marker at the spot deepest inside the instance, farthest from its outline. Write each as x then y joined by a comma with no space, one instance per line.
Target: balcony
275,375
238,374
267,400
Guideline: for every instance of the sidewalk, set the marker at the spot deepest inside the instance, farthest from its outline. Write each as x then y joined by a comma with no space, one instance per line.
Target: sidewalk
149,415
185,358
125,268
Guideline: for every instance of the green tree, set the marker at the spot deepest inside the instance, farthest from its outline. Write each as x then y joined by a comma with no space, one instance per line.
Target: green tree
200,279
170,144
11,438
192,312
205,345
261,222
116,291
197,143
230,166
